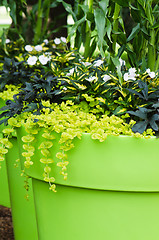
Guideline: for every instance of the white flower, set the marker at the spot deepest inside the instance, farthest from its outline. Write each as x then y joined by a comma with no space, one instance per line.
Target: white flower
46,41
131,75
28,48
85,63
7,40
71,71
148,70
122,62
32,60
106,78
128,76
38,48
152,74
63,39
65,88
57,41
43,59
98,63
91,79
132,71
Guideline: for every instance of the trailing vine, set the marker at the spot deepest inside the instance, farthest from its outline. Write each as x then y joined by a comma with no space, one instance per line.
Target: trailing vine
63,123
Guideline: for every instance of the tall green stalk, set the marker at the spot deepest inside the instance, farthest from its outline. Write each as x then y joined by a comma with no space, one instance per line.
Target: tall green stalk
46,6
115,27
152,51
88,31
37,33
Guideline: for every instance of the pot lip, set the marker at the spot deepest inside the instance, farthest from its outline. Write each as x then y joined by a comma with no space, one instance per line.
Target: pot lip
109,135
123,136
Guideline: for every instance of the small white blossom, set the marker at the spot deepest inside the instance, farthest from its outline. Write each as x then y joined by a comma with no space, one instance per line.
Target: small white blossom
106,78
65,88
57,41
43,59
63,39
132,71
128,76
7,40
148,70
71,71
98,63
48,54
131,75
28,48
91,79
122,62
152,74
38,48
86,63
32,60
46,41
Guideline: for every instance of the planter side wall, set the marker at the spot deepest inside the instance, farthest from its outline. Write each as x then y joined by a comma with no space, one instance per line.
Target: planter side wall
120,163
23,210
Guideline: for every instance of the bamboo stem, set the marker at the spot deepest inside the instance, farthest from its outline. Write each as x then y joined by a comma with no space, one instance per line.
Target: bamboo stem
88,31
39,23
115,26
47,4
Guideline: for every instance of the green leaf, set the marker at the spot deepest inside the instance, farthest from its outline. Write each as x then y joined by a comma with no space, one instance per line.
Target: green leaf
117,64
123,3
134,32
153,123
136,14
100,24
139,114
144,87
140,127
108,29
75,26
149,13
104,6
13,11
156,25
68,8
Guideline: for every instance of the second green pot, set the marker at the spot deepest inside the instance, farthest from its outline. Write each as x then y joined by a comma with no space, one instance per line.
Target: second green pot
23,211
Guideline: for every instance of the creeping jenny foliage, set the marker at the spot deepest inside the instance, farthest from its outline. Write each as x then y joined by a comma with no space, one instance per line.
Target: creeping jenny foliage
69,121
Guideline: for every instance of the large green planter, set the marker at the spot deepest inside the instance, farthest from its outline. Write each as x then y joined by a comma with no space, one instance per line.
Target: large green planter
23,211
112,191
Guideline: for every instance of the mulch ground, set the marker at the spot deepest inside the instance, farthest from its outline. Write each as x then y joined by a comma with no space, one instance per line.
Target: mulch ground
6,227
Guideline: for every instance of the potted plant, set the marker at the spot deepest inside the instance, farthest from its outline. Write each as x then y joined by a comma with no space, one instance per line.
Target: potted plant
52,134
104,186
79,100
99,179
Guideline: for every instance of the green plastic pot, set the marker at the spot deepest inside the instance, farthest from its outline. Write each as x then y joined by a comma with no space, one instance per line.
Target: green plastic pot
4,190
112,191
23,210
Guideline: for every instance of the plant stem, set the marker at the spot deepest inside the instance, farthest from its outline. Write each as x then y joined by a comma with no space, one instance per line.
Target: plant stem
152,51
47,5
38,27
88,31
115,27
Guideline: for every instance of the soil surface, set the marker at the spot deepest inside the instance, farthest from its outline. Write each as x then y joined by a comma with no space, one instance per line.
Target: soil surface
6,227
